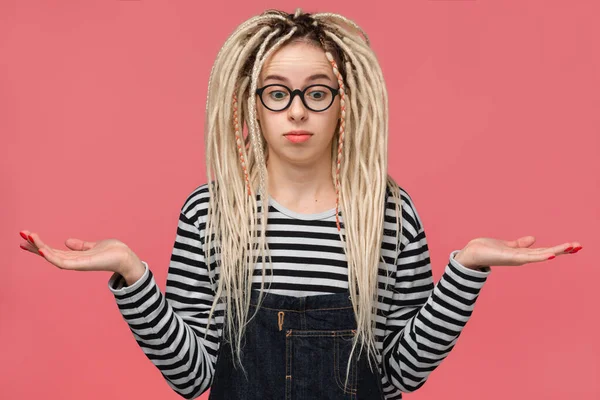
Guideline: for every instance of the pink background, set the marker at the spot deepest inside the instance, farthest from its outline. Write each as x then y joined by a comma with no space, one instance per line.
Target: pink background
494,131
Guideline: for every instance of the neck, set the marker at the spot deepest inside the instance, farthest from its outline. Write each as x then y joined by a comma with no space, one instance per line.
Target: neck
304,187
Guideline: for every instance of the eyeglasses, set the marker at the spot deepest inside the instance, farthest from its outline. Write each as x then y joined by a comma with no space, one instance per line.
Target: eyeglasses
316,98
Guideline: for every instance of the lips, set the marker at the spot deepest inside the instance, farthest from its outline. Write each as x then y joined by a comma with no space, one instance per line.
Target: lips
297,133
298,136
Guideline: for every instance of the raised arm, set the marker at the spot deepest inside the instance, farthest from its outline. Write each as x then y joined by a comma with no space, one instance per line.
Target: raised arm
424,321
171,329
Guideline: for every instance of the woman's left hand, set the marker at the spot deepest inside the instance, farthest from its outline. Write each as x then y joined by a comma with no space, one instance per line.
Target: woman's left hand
485,252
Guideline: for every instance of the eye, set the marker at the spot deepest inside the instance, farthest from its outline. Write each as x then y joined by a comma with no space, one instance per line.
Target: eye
278,94
317,94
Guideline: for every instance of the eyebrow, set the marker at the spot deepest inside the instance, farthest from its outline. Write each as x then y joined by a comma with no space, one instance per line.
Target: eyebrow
310,78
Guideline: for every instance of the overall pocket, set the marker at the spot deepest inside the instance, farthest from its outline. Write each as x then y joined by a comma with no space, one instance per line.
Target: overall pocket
316,362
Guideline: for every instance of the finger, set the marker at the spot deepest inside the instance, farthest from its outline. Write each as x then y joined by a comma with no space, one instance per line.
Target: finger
25,234
533,257
34,238
576,247
33,249
526,241
29,247
522,242
77,244
63,263
566,248
39,243
561,248
538,255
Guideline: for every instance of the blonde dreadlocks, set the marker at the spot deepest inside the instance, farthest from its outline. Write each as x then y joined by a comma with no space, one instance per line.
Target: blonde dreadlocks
237,163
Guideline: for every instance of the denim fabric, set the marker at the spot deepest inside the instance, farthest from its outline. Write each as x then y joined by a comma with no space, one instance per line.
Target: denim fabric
297,348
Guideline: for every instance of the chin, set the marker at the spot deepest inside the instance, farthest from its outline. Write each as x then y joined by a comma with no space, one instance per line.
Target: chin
300,160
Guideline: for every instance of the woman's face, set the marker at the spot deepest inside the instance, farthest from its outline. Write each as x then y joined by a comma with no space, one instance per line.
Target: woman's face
294,65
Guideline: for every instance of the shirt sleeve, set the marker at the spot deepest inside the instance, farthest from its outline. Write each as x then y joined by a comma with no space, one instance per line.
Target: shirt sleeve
170,329
425,321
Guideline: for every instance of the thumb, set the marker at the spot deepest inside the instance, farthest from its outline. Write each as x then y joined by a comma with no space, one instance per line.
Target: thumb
525,241
77,244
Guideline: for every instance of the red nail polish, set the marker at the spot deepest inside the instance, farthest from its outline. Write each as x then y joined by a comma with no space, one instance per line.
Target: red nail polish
40,251
30,238
551,257
568,248
24,236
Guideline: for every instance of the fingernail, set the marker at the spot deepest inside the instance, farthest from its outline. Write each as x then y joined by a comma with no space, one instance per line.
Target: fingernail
24,236
23,247
30,238
576,249
568,248
551,257
40,251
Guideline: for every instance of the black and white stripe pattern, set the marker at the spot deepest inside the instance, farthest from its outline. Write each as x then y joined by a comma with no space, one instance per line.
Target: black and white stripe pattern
418,323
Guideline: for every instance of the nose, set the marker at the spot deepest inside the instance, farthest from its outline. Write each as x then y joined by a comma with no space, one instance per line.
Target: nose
296,110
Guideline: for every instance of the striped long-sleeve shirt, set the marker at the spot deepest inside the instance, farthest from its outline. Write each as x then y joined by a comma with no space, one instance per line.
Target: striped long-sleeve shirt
417,322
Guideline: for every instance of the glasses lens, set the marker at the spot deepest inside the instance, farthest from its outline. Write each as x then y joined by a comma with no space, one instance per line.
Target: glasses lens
318,97
276,97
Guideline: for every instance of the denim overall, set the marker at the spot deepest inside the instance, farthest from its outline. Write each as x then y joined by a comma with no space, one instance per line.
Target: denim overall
297,348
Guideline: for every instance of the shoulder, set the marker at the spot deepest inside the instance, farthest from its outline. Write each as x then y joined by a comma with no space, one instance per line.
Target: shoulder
400,202
195,206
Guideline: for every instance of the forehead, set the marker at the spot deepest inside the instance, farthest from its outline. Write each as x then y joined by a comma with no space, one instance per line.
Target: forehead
297,61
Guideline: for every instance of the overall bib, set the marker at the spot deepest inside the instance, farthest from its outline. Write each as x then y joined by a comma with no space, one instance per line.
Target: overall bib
297,348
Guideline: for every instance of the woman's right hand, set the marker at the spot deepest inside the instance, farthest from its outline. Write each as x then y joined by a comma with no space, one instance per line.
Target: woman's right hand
104,255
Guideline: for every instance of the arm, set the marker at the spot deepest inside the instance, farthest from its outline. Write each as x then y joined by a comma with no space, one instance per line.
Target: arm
170,329
425,321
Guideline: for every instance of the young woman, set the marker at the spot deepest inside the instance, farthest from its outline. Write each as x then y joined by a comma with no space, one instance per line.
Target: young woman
328,294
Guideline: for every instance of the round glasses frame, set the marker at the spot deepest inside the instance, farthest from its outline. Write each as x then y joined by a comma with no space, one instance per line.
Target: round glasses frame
298,92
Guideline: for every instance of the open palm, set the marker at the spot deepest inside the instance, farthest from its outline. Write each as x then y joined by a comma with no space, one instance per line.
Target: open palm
104,255
489,252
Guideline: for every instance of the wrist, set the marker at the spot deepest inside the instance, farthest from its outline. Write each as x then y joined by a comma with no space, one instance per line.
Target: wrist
459,258
132,268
